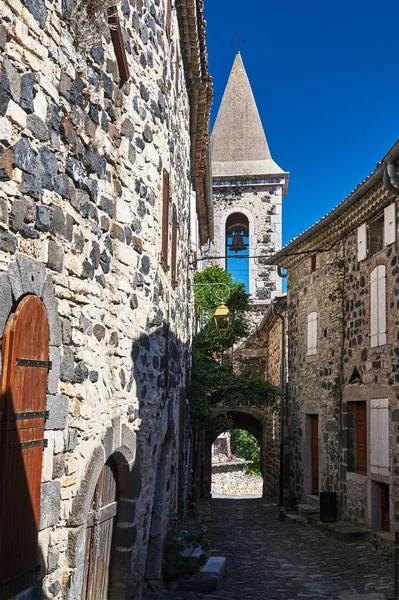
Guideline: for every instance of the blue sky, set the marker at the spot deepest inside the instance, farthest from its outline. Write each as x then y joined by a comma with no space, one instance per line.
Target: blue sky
326,80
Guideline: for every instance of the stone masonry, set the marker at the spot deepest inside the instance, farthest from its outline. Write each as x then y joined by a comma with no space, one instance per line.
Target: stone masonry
334,280
81,173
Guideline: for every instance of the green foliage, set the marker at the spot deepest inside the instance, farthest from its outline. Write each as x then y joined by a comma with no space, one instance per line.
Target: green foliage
208,298
245,445
214,385
179,545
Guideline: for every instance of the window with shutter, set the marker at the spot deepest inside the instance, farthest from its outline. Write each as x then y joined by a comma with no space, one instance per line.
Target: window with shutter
312,333
25,350
376,235
174,246
390,224
378,306
168,21
379,436
362,242
118,43
360,437
165,220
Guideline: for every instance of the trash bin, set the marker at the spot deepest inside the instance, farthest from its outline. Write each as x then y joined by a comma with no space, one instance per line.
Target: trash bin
328,507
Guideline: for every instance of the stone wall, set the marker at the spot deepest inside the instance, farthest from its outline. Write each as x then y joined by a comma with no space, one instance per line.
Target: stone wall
232,480
345,369
81,164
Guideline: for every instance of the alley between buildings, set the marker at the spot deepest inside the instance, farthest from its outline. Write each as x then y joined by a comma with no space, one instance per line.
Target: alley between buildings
272,560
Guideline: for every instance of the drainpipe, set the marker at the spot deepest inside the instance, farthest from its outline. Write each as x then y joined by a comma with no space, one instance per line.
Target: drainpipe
282,408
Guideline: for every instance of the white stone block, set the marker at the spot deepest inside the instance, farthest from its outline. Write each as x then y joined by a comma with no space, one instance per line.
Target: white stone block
49,88
122,211
16,114
5,130
126,255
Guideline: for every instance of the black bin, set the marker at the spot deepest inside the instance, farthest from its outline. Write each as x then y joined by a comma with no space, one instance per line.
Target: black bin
328,507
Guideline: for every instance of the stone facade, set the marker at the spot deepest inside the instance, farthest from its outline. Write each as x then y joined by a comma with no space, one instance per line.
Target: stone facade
232,480
342,371
81,173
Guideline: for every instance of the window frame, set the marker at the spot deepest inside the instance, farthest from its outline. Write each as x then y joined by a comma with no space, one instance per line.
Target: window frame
378,306
312,333
361,468
165,220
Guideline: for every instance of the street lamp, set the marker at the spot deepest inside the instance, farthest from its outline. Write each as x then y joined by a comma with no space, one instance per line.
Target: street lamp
221,316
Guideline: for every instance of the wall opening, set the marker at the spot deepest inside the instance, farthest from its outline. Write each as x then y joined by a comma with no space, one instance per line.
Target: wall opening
236,465
237,248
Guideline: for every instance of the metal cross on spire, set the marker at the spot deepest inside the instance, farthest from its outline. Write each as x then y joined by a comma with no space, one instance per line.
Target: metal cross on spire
238,41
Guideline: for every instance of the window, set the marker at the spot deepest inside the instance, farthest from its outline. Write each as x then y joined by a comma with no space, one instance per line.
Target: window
312,333
168,20
375,235
174,246
313,263
378,336
118,43
165,219
379,436
360,437
237,248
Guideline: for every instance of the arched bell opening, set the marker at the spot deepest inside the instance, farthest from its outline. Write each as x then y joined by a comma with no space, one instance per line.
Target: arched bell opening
237,247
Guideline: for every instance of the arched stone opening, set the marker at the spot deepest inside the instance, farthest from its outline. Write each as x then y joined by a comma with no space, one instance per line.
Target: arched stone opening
125,462
250,419
237,247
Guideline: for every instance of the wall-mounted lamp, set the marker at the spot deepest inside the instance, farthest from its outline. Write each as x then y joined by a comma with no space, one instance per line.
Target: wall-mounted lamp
221,316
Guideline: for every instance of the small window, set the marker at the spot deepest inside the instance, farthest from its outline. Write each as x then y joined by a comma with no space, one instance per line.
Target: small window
312,333
376,235
313,263
360,437
378,336
168,20
165,219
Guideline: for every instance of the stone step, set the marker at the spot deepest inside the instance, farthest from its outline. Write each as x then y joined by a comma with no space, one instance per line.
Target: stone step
312,500
292,517
307,509
209,578
345,532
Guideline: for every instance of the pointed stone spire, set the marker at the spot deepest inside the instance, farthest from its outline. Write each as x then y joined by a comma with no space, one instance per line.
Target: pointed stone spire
239,145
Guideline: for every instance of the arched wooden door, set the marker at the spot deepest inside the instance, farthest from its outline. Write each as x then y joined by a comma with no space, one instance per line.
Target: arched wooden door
100,535
25,351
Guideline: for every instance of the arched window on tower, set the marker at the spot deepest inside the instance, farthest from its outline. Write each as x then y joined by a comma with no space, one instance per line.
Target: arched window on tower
237,248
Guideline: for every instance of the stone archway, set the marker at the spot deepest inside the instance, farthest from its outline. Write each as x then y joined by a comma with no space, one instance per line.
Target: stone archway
257,422
120,443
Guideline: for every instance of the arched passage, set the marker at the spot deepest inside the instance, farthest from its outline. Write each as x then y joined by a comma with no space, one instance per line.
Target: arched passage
251,419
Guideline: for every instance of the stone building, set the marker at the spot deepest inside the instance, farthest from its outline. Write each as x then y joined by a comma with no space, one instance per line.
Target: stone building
104,198
343,332
248,190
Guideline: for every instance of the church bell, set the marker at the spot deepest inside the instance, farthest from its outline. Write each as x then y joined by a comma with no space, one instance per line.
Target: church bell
237,243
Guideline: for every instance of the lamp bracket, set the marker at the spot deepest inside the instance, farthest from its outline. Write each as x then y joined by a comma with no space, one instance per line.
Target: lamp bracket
221,295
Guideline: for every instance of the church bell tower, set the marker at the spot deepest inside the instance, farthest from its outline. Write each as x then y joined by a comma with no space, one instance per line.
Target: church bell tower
248,189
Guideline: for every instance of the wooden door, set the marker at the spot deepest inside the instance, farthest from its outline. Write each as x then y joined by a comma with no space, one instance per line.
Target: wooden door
25,349
361,437
315,453
100,533
385,524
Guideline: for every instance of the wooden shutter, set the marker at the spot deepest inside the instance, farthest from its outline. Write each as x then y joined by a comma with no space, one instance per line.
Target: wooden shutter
168,24
118,43
374,308
361,437
165,218
177,72
390,224
362,242
312,333
382,317
174,246
379,436
25,348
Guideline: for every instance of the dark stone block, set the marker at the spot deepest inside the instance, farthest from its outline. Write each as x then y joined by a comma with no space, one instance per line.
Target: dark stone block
78,241
24,157
117,232
108,85
91,188
50,504
132,154
95,163
31,185
140,144
105,261
26,101
104,121
63,185
75,169
8,243
37,10
55,259
144,93
6,162
97,53
81,372
93,376
88,211
94,114
38,128
3,37
99,332
76,92
107,206
18,214
54,122
29,232
143,61
67,369
134,301
147,134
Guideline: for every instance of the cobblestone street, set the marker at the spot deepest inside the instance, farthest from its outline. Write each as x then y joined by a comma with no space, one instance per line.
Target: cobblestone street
272,560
